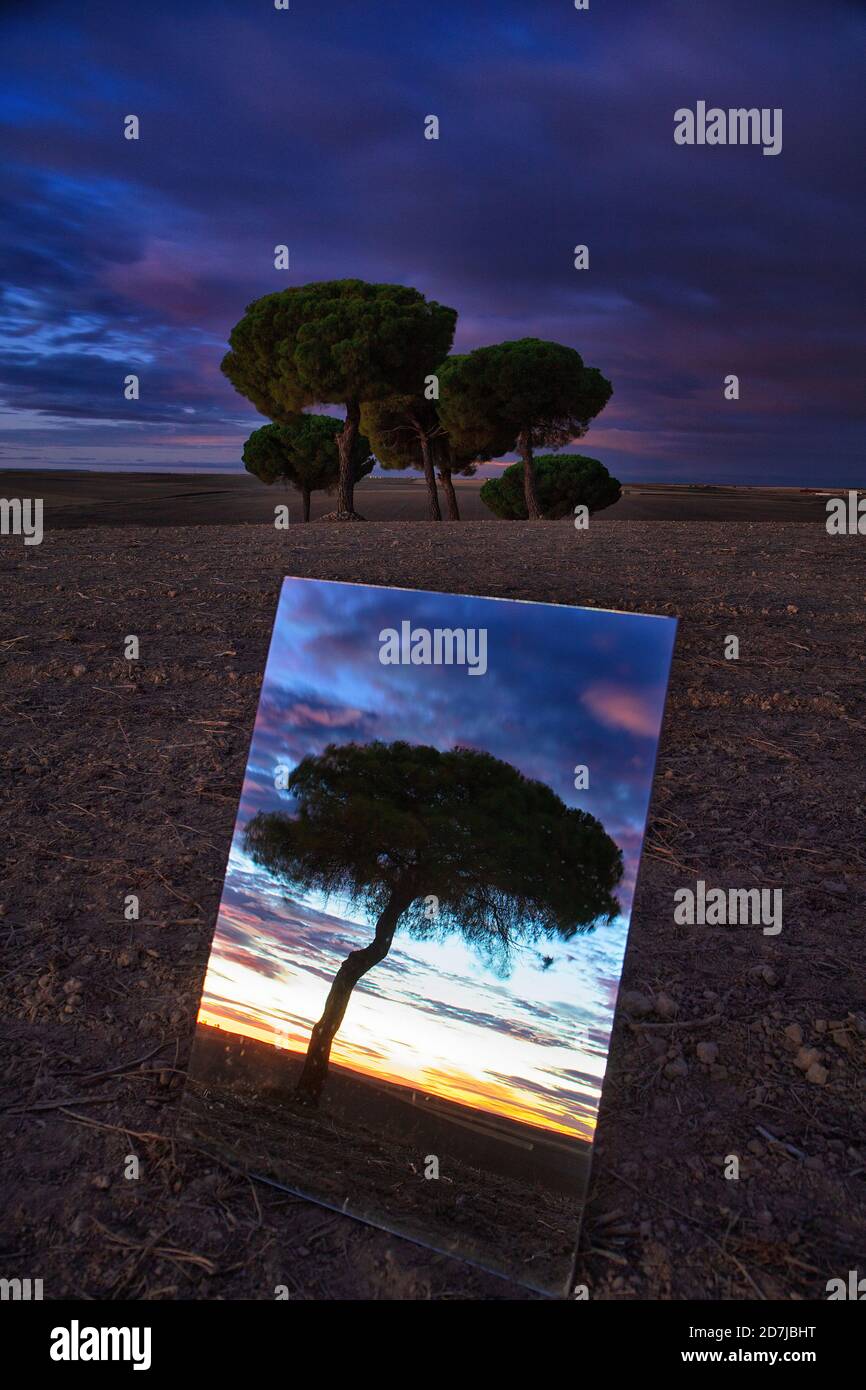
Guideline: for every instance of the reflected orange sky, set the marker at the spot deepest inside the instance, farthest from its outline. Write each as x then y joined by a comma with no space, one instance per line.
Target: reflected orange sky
461,1088
386,1037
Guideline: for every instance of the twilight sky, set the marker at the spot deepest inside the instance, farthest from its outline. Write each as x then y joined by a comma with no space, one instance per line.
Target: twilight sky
305,127
564,686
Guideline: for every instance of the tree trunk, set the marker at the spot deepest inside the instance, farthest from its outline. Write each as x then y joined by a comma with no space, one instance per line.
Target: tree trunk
306,496
430,477
530,496
346,446
315,1069
450,495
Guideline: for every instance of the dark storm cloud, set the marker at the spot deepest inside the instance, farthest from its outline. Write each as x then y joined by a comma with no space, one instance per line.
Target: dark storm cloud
553,1098
578,1081
260,925
479,1018
261,127
293,723
229,1010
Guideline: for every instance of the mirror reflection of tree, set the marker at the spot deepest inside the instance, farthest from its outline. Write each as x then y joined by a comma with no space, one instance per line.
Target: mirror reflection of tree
389,825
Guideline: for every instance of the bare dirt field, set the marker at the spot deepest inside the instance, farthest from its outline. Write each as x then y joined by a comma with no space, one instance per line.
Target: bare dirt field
122,778
95,497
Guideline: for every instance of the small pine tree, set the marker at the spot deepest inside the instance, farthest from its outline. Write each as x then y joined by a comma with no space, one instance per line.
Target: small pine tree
562,481
303,454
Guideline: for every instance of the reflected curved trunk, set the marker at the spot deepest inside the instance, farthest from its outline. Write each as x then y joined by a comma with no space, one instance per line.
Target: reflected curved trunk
316,1062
